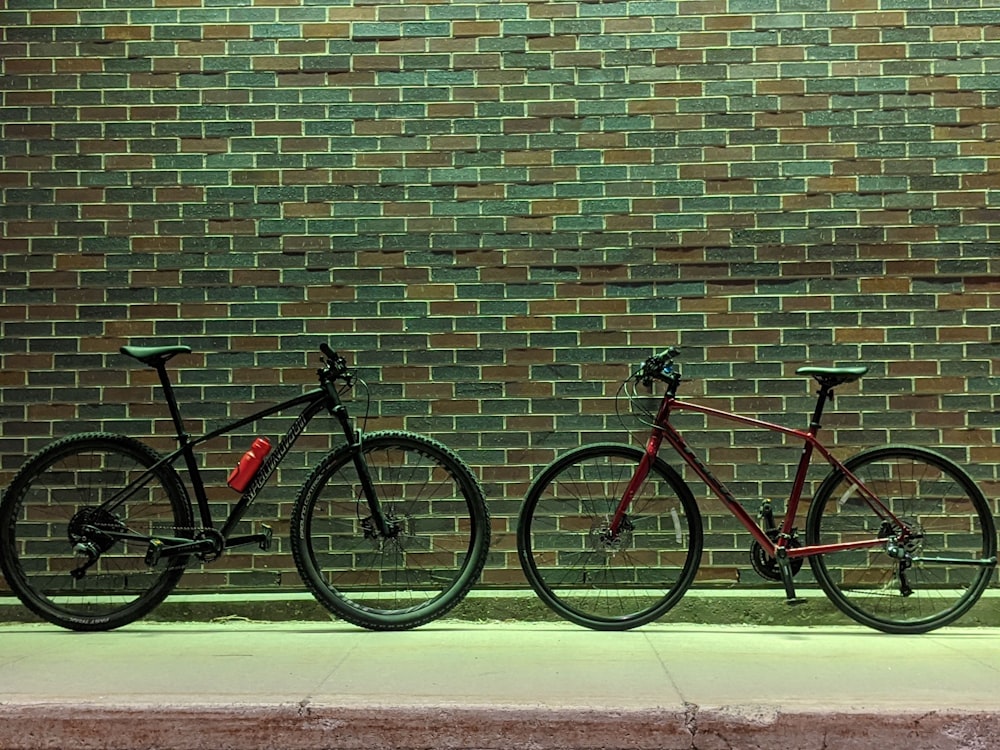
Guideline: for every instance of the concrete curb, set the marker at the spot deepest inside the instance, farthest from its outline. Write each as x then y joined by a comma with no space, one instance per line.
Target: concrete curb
306,727
704,606
495,686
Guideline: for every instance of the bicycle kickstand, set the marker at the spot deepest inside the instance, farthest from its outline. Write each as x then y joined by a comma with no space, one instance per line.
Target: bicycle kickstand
785,566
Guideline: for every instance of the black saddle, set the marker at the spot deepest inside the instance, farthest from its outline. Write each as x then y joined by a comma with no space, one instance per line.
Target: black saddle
154,356
831,377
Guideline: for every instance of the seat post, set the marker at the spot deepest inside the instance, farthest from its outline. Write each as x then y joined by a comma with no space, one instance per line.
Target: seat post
825,392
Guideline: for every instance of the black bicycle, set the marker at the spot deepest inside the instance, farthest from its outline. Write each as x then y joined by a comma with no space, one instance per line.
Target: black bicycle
390,530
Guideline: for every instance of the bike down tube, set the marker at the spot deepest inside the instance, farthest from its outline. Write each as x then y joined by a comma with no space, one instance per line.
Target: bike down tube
315,401
662,429
721,491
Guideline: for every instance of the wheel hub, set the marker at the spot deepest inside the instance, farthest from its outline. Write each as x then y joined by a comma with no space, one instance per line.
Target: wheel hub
86,531
603,539
911,542
393,529
914,540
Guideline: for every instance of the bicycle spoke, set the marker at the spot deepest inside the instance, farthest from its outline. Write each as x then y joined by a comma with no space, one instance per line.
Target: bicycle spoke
931,569
586,571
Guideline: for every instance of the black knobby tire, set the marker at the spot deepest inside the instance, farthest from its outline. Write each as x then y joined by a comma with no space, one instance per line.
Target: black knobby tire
941,502
51,500
435,554
589,576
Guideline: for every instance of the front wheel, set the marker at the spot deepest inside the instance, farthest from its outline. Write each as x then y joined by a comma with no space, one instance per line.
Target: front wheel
434,545
917,580
75,525
588,573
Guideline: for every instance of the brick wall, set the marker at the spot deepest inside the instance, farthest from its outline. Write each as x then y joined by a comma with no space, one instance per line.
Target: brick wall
495,208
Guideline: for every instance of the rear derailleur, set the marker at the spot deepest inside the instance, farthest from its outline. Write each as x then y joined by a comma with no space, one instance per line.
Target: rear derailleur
88,533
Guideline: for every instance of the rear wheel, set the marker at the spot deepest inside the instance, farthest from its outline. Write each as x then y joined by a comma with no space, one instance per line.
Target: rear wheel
434,546
595,577
915,581
73,542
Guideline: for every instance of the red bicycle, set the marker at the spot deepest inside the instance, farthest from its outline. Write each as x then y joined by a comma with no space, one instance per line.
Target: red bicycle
900,538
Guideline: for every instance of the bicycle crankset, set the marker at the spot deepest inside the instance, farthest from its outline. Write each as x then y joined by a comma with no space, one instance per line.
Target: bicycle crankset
767,566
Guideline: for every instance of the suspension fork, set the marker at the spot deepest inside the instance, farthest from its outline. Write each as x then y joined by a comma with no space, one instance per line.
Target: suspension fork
354,438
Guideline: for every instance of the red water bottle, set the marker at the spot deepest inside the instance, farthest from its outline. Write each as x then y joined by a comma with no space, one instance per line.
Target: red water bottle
245,470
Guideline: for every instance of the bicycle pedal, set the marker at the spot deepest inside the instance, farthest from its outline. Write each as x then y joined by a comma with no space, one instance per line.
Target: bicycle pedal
265,537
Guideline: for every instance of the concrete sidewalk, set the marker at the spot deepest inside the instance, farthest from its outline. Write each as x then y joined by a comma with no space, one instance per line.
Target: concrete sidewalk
504,685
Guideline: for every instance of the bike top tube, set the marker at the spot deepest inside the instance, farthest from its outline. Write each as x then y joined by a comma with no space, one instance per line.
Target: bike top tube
677,404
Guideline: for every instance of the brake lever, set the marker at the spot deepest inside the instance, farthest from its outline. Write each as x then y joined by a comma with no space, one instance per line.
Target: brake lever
655,366
336,365
643,374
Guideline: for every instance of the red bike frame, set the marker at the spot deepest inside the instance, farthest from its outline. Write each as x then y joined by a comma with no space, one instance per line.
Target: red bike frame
663,430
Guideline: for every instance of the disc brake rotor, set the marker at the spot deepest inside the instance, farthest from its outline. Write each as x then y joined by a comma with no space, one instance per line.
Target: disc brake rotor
602,539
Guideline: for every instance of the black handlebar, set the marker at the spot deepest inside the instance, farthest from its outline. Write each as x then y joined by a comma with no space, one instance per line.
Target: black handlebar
336,366
660,367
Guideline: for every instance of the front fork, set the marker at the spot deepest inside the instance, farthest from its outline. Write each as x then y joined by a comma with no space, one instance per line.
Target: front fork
376,524
652,447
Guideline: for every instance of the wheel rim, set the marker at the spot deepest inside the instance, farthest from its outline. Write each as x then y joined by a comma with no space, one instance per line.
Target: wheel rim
66,553
900,585
595,576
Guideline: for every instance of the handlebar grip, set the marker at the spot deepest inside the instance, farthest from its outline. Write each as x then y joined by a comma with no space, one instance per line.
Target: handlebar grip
669,353
327,351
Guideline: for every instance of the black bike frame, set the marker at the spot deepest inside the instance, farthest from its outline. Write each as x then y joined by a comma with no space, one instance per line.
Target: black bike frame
315,401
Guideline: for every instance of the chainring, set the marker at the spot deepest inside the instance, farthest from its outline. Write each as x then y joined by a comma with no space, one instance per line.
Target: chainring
767,566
